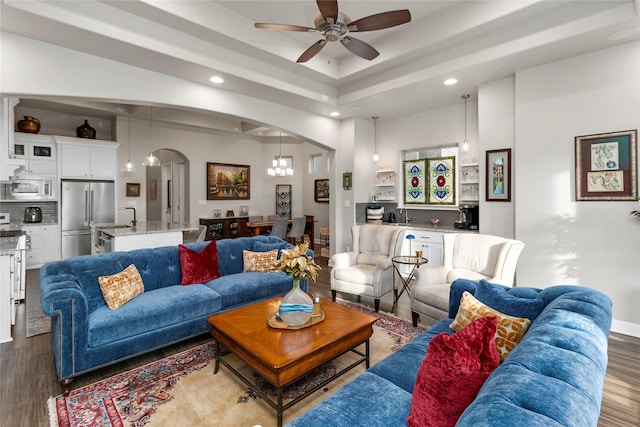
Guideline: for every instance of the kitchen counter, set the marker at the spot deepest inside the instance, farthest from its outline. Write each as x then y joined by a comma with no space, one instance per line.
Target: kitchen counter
150,227
9,236
124,237
430,227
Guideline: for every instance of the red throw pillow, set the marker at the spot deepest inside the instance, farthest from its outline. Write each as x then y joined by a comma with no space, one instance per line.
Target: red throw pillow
199,267
452,372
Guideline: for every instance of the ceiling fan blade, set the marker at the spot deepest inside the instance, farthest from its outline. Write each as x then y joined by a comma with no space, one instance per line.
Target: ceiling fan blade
312,51
360,48
328,10
380,21
284,27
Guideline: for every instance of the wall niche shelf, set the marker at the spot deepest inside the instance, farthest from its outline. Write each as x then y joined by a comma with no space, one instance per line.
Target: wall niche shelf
385,184
469,183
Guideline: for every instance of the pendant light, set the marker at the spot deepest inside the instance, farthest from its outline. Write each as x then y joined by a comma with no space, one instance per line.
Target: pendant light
129,166
151,160
280,168
465,143
375,139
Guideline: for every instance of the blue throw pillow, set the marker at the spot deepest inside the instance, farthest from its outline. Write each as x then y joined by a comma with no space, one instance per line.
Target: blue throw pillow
266,247
499,298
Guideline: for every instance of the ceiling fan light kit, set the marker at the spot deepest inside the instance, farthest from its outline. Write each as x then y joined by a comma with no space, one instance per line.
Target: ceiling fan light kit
336,26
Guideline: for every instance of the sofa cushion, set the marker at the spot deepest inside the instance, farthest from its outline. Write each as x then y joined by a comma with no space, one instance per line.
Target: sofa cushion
245,288
498,298
361,274
199,267
121,287
367,401
510,330
151,311
89,280
451,373
478,253
259,261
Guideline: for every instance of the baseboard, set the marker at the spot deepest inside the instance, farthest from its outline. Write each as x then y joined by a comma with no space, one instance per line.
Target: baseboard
625,328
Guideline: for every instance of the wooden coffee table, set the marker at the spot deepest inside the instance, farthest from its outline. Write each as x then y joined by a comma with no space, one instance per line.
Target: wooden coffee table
282,356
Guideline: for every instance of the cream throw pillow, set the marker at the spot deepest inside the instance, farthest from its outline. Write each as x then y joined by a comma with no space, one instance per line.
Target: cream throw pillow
259,261
510,329
121,287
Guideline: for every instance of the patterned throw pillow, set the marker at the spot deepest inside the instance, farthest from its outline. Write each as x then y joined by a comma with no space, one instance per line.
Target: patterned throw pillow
121,287
510,329
259,261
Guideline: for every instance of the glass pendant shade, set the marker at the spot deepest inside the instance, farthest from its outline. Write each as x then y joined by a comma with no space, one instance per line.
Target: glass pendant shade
465,143
151,160
376,158
129,166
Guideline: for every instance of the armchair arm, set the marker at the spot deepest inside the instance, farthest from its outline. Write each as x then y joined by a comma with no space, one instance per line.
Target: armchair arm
383,277
431,275
344,259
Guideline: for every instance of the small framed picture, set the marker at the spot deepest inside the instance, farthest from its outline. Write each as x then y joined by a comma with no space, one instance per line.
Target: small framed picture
499,175
606,166
133,189
346,180
321,190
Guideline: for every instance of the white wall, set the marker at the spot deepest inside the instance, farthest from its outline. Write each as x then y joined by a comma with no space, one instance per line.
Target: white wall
594,244
496,130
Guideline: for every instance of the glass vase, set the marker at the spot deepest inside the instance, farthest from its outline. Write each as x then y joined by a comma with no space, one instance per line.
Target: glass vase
296,306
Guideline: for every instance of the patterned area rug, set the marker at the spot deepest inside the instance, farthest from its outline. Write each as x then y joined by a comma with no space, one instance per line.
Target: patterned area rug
182,390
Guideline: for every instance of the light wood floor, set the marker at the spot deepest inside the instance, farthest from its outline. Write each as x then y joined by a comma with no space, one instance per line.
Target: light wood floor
27,374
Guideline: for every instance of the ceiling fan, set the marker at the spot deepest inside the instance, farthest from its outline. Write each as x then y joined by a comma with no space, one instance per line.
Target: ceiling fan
337,26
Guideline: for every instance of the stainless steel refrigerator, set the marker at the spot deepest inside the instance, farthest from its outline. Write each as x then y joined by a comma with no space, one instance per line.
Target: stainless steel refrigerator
84,203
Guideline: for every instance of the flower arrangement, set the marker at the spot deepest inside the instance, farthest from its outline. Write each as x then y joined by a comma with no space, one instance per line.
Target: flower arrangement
435,221
296,264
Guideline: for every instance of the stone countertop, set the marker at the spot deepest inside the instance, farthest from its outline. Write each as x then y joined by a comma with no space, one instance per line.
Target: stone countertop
8,244
150,227
429,227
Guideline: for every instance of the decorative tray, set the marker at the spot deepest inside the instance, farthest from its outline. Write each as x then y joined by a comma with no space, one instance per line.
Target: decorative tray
275,322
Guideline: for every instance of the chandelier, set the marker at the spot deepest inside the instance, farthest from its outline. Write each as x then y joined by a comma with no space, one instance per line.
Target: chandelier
280,168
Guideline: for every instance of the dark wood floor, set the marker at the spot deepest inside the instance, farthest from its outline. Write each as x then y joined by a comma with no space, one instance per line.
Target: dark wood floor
27,374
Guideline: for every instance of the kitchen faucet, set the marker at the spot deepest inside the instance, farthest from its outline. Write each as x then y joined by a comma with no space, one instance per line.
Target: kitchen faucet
407,218
133,221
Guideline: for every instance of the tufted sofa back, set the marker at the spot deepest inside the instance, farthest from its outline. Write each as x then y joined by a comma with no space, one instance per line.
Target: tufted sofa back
158,267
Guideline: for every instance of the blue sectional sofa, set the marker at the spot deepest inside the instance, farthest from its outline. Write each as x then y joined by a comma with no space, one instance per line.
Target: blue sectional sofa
87,335
553,377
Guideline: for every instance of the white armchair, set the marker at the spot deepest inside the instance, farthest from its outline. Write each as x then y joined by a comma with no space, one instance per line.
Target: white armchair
367,269
466,255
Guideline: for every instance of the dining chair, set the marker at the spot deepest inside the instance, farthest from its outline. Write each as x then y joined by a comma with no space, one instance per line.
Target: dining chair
243,230
279,228
297,229
272,217
195,236
256,218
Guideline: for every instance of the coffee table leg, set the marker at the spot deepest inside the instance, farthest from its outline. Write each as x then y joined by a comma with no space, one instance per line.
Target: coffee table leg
366,346
279,408
217,357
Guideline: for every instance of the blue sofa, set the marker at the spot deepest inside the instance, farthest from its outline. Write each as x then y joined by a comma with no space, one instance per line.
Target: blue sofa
87,335
554,377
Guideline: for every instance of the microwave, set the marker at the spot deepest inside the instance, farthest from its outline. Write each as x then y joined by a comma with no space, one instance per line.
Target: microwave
28,189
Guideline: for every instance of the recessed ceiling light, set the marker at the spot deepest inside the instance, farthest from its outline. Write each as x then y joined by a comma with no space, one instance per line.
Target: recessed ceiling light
216,79
450,82
623,34
334,114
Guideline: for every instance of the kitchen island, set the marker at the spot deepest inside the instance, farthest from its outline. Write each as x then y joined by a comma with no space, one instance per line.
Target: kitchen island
126,237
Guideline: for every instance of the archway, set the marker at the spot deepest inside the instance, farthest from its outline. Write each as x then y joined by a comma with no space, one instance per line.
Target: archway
170,204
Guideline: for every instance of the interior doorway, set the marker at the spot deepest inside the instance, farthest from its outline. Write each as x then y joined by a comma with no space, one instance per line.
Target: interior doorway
169,203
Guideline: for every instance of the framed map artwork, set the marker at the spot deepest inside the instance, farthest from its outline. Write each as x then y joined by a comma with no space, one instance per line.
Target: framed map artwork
606,166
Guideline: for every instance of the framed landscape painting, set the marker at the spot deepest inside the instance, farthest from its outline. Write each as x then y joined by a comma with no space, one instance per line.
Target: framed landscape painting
227,181
321,190
606,166
499,175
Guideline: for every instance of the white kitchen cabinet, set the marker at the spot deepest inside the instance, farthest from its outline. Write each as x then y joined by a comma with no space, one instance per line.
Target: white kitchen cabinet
39,153
8,162
12,285
429,242
43,244
469,183
87,159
